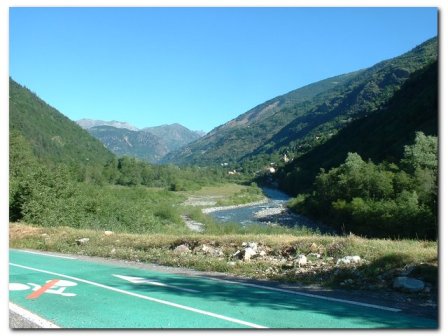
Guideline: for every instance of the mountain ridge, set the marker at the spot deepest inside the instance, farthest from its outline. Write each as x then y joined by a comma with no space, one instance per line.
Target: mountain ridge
301,119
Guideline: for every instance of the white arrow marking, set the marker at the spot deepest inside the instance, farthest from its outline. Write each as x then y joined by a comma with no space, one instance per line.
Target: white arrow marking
138,280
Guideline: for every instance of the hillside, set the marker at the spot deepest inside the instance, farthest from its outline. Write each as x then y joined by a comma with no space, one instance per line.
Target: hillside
174,136
52,137
298,121
150,144
124,142
379,136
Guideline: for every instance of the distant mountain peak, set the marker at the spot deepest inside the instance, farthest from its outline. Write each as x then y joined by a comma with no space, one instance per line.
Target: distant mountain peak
89,123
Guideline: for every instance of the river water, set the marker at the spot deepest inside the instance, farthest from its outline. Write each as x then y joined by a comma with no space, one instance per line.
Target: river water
273,212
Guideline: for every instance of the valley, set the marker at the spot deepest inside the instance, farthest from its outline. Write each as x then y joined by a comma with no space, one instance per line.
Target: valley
333,184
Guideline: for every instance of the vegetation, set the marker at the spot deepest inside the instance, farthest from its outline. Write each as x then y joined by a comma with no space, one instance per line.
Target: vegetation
53,138
382,258
379,136
247,195
384,200
52,185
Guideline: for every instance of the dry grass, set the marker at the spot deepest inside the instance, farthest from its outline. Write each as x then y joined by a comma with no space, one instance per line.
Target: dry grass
381,256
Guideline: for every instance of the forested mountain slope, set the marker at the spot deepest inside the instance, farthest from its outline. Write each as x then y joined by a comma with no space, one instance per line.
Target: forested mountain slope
380,136
302,119
52,136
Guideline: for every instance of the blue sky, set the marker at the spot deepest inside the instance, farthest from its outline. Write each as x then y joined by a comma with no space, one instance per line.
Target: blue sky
199,67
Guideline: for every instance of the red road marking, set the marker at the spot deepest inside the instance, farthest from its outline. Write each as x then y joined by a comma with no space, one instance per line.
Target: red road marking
42,290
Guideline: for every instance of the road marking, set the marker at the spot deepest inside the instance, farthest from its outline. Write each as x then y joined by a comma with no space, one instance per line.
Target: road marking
144,297
48,255
395,310
138,280
31,317
43,289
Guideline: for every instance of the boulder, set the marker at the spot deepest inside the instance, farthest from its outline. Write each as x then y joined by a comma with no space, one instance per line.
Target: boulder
301,260
182,249
408,284
253,246
314,247
249,252
82,241
349,260
215,252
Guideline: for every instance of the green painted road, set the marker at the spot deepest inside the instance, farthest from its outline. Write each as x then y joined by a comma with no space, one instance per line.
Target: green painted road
72,293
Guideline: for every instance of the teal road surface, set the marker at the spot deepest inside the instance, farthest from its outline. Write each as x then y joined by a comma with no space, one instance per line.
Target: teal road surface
71,293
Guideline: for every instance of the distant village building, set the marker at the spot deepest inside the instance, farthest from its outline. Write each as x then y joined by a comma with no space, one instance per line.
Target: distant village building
285,158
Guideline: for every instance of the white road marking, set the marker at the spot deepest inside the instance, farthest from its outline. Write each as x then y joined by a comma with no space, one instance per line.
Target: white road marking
49,255
168,303
395,310
138,280
31,317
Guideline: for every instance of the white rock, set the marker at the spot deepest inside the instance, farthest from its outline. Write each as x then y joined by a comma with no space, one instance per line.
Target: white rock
181,249
408,284
211,250
82,241
349,260
249,253
108,233
301,260
262,253
253,246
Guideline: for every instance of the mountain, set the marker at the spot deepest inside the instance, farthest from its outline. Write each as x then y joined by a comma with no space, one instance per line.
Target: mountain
380,136
89,123
300,120
150,144
52,137
174,136
124,142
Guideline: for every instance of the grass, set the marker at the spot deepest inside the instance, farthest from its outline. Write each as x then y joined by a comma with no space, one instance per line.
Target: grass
383,258
221,190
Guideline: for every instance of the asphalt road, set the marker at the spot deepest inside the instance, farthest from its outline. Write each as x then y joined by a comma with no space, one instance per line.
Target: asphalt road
63,291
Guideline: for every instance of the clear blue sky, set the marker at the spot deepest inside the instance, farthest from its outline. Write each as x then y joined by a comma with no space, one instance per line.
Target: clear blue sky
199,67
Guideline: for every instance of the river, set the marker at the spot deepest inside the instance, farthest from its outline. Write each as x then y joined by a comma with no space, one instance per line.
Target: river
273,212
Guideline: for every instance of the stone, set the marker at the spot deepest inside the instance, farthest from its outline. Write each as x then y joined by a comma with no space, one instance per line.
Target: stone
182,249
82,241
253,246
408,284
108,233
249,253
262,253
207,249
301,260
314,247
349,260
